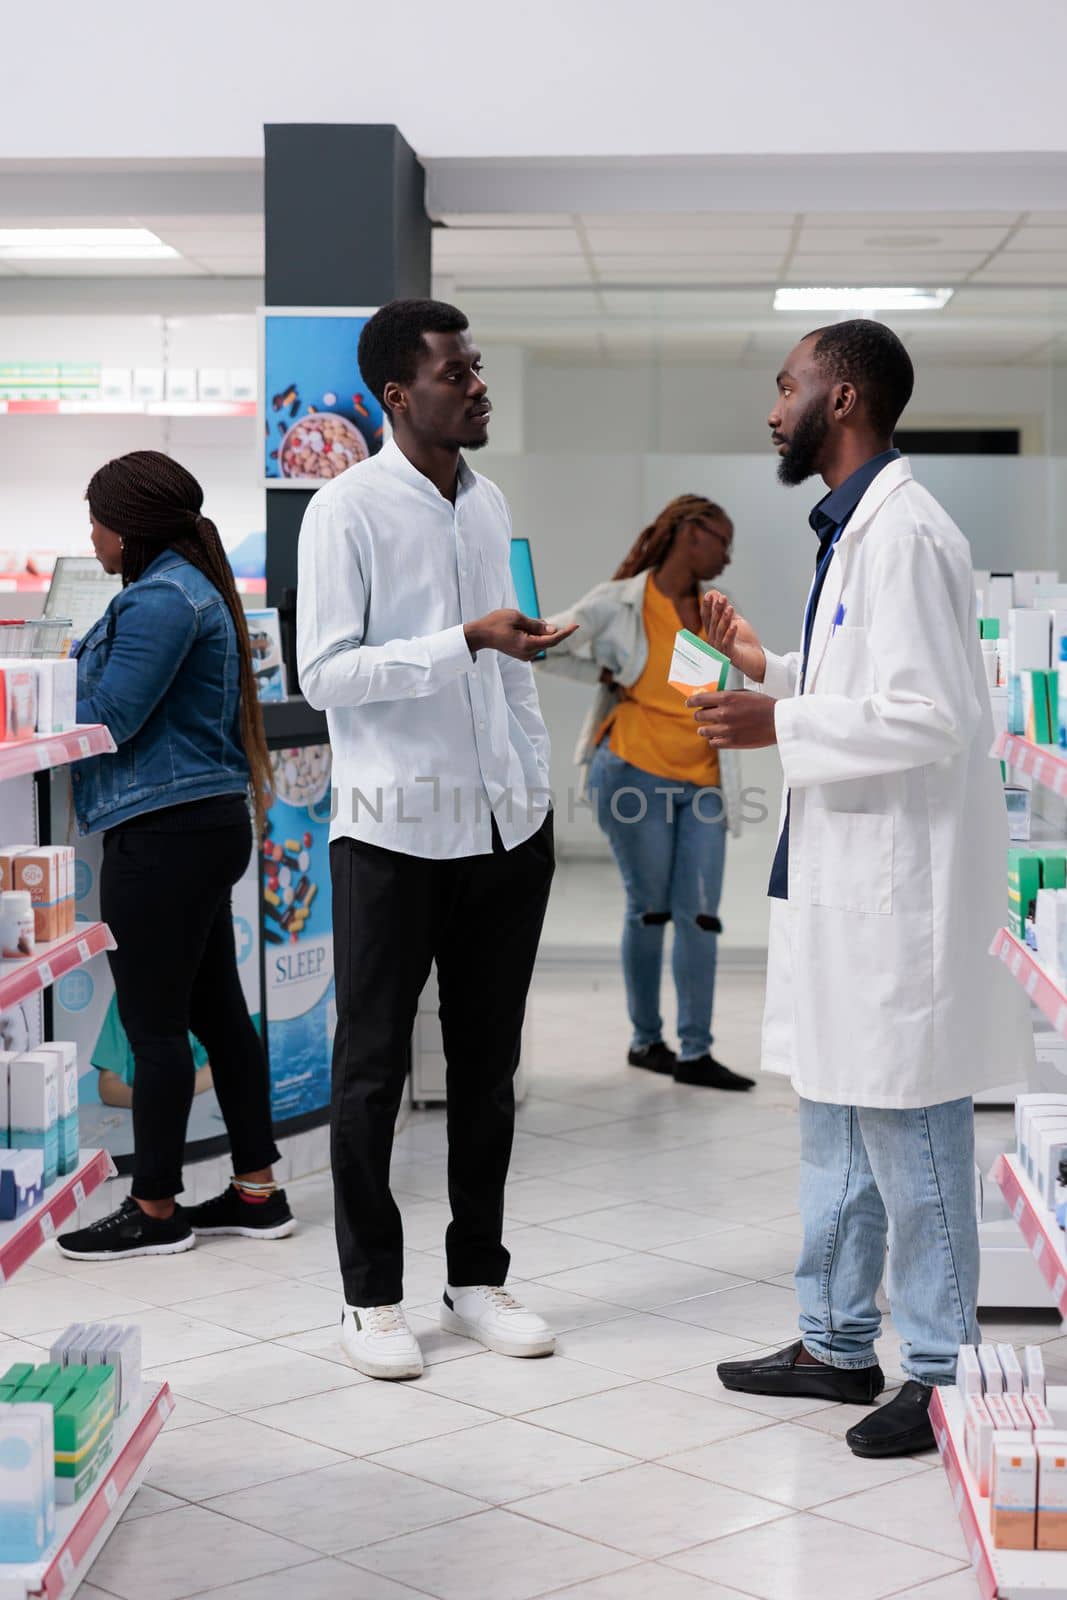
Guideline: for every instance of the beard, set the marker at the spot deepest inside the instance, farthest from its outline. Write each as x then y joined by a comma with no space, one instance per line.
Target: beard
802,454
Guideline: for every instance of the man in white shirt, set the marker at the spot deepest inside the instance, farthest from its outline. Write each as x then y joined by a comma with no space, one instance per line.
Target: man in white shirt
441,844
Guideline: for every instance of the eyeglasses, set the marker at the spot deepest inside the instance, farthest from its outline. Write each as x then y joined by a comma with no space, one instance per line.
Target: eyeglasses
725,539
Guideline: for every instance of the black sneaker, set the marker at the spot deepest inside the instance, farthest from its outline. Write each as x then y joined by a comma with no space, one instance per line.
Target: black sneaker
129,1231
231,1213
706,1073
656,1057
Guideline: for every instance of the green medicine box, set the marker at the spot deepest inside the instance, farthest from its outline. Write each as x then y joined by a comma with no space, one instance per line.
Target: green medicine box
1053,869
17,1375
1024,880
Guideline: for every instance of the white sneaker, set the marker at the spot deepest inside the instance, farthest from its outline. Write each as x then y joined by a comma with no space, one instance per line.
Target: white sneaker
496,1319
379,1343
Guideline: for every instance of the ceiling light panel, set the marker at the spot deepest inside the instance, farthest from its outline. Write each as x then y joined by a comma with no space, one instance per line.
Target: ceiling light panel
83,244
880,298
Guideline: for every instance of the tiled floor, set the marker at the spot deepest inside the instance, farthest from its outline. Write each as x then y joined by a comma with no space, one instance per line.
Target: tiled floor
655,1227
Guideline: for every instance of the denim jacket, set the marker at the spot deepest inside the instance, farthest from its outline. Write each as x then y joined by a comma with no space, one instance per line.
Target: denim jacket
161,669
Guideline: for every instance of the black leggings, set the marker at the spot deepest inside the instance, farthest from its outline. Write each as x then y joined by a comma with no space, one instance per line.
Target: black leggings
167,899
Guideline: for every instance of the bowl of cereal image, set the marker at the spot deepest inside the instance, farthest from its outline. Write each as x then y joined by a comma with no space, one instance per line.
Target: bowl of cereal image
322,444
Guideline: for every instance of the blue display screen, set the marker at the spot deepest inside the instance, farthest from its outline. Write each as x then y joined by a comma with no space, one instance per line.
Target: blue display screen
522,573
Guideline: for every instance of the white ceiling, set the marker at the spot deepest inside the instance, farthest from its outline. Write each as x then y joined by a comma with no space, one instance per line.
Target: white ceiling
697,285
700,285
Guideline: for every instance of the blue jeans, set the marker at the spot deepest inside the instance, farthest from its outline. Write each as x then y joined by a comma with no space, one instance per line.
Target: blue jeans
669,839
866,1175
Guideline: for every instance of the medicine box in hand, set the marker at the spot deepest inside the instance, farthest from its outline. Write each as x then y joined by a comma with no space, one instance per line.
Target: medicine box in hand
695,665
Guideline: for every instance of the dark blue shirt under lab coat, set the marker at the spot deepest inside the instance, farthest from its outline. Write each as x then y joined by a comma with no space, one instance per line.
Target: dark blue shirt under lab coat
828,520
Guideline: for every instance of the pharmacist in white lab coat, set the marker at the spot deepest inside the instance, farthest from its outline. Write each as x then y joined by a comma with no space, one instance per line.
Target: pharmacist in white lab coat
883,1004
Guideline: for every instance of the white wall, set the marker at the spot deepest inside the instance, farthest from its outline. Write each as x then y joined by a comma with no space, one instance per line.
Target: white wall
586,455
582,511
117,79
697,406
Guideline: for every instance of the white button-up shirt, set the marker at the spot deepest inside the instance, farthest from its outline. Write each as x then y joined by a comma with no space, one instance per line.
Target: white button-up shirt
428,742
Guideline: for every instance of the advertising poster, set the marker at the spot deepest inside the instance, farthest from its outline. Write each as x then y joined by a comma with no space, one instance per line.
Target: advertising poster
84,1010
317,415
299,994
265,637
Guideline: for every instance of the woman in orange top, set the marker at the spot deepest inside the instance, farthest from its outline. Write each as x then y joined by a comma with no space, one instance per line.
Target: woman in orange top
658,790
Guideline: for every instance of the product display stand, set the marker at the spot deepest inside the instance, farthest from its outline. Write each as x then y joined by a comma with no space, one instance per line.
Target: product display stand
1001,1574
54,750
1045,763
1024,966
20,979
21,1238
82,1529
1038,1225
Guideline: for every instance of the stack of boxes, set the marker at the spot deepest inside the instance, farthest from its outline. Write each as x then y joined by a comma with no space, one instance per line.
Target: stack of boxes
82,1403
46,873
37,696
1016,1452
1031,869
38,1123
1041,1141
56,1429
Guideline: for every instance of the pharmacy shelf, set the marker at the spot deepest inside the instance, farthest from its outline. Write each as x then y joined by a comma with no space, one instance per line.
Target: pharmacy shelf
1001,1574
1045,763
21,1238
1037,1224
22,978
128,408
1024,966
54,750
82,1530
38,583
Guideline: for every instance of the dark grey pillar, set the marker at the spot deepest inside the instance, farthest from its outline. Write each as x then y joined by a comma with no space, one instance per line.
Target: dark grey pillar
346,225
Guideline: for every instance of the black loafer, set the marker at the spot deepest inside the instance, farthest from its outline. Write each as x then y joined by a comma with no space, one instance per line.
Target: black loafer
901,1427
780,1374
656,1057
706,1073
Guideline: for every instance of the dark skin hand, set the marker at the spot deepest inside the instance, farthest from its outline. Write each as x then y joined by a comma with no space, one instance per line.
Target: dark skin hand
736,719
443,410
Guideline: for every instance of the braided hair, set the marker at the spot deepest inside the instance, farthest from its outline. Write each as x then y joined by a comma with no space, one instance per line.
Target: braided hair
153,504
651,546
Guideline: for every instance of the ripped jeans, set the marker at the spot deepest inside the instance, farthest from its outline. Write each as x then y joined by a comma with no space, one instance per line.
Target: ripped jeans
669,839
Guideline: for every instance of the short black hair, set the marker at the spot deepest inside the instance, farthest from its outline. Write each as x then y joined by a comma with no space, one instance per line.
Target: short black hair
391,342
869,355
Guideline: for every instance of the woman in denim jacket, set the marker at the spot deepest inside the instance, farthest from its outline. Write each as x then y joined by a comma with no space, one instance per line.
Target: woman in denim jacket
168,669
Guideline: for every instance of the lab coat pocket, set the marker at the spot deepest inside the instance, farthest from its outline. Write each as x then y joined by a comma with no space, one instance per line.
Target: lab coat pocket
847,666
851,860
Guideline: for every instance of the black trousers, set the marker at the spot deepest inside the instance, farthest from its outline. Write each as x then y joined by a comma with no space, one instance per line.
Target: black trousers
480,919
167,899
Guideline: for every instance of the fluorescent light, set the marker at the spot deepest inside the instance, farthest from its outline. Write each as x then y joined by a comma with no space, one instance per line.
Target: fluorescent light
83,244
887,299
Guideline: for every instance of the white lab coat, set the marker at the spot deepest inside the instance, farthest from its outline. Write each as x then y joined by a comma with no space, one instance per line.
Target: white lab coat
880,988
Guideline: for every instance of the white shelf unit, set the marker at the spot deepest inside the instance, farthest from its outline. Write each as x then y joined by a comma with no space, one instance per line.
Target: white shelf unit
1001,1574
20,1239
82,1529
54,750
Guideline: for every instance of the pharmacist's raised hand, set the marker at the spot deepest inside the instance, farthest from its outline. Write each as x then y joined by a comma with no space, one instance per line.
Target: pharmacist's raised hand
732,636
514,635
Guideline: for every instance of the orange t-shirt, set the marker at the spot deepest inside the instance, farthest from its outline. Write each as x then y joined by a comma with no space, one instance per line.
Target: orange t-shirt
651,727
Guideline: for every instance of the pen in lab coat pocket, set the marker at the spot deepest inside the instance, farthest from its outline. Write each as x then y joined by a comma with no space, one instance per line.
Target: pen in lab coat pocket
839,617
